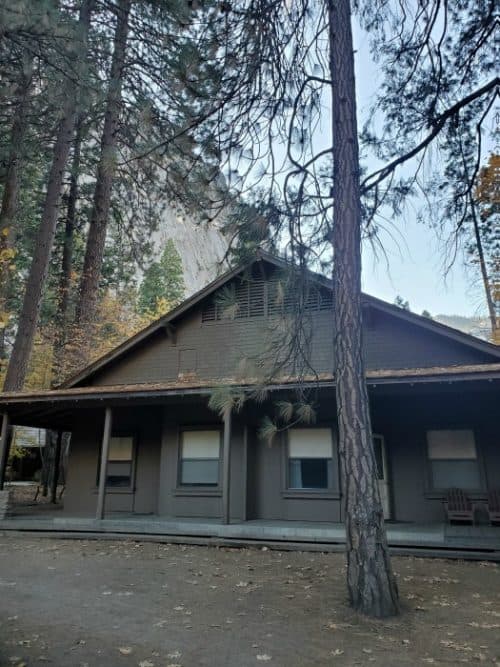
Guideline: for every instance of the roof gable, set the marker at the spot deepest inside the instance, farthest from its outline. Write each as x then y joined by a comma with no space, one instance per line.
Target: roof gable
167,321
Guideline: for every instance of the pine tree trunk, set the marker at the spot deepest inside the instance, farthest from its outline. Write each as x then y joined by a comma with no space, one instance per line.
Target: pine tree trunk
94,252
10,196
489,288
28,320
67,256
370,581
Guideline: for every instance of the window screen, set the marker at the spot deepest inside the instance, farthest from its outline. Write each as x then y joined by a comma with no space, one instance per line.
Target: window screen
120,460
310,453
200,452
453,459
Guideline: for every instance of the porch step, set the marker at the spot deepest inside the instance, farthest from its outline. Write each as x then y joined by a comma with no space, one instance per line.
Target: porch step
327,547
432,541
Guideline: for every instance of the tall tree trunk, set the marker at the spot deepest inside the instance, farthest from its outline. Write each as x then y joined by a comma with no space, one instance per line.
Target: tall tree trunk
370,581
489,288
10,196
67,256
30,312
94,252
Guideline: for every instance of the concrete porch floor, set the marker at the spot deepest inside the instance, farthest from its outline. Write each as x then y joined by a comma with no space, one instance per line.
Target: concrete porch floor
466,541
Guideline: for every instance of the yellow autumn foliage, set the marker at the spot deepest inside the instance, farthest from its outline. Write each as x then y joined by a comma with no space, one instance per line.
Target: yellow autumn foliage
117,320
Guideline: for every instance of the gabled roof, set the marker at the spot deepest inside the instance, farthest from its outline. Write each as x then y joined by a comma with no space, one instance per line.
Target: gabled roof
262,256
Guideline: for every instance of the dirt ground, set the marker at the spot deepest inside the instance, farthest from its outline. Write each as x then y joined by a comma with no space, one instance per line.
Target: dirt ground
22,499
115,603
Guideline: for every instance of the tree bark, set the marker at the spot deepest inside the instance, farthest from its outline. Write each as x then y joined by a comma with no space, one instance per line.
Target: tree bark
67,256
30,312
489,289
10,196
94,251
370,581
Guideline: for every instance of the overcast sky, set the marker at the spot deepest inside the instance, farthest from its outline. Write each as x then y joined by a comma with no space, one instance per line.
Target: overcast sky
413,252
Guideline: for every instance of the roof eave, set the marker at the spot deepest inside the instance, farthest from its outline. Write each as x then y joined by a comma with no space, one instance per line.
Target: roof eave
262,255
373,377
153,327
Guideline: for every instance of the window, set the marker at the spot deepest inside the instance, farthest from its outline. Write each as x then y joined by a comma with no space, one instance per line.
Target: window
453,459
200,452
120,460
310,452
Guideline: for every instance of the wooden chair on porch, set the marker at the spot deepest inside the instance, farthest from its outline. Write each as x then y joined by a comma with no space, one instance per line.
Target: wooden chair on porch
494,506
459,506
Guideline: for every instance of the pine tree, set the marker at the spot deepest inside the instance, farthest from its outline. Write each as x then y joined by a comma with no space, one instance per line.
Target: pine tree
162,287
94,253
483,245
275,63
29,317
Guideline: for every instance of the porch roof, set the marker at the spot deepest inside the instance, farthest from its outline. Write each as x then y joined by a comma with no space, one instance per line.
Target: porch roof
93,395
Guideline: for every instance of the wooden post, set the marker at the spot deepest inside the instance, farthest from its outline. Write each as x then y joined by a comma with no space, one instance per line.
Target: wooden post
47,459
245,472
4,448
55,470
226,468
106,437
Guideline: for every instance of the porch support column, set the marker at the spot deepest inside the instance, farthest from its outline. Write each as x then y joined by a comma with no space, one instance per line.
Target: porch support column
106,437
226,468
4,447
55,470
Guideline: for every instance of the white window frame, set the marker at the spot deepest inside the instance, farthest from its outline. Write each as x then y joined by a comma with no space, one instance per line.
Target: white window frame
195,485
112,488
330,460
453,459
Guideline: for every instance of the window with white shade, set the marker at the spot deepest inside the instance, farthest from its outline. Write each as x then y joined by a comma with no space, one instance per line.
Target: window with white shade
120,461
453,459
200,454
310,454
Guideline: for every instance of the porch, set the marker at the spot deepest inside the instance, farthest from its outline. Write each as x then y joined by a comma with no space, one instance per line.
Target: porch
436,539
253,493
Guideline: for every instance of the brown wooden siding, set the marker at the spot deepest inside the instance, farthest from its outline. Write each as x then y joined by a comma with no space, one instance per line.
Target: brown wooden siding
215,349
261,492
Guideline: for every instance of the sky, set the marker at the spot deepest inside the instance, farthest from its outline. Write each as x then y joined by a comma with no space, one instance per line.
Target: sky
413,266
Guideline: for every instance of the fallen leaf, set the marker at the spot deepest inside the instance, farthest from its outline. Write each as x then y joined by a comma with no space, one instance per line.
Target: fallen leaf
174,655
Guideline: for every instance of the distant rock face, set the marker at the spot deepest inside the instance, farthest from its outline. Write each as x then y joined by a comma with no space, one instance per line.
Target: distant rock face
201,246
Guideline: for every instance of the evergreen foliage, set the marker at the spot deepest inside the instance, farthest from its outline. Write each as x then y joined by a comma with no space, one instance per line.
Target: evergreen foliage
162,287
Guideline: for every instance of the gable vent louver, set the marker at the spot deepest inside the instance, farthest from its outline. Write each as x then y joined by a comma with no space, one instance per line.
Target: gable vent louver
283,300
259,298
239,301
